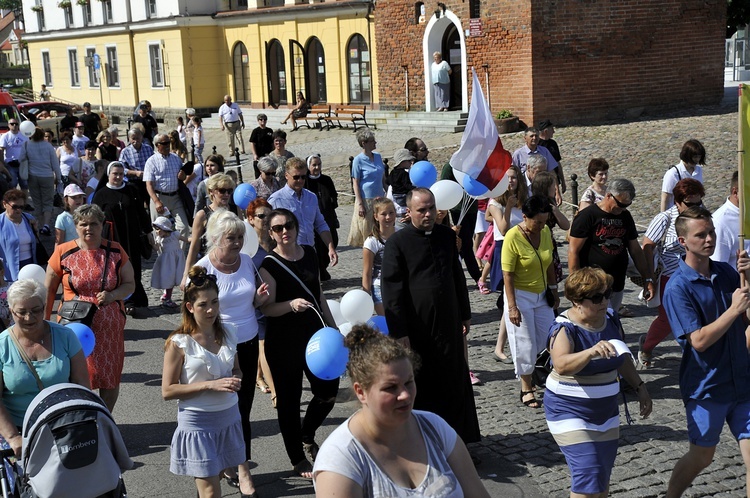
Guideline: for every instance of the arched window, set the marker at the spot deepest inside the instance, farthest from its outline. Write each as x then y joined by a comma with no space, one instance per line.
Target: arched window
241,65
316,72
276,73
358,64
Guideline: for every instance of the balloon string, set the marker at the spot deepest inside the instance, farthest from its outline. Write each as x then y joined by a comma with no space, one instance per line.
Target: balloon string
321,318
465,204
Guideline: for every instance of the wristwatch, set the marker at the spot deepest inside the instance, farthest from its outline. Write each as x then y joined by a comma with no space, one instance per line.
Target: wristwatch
648,280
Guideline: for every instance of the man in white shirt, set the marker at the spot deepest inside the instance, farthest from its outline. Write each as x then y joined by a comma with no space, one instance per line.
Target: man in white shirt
10,145
232,123
727,225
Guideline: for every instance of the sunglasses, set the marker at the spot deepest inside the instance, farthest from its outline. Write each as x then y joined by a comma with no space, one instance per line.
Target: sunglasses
289,225
621,205
599,297
261,216
225,190
297,177
162,143
13,124
16,207
692,204
200,280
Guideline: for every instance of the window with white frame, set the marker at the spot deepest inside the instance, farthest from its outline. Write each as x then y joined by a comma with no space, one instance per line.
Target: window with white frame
38,7
47,68
113,72
150,8
73,63
68,14
86,11
107,11
157,67
93,77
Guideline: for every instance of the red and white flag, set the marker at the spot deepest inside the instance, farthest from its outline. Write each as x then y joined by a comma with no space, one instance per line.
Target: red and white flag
481,155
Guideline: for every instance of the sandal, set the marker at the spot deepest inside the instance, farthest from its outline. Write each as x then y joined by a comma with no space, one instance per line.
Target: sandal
644,358
263,386
531,403
625,312
483,289
311,449
303,469
129,309
273,401
232,481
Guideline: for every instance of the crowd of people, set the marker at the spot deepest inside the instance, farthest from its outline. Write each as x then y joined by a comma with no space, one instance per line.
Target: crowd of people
251,317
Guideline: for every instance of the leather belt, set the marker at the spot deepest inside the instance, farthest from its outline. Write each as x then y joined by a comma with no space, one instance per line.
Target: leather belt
168,194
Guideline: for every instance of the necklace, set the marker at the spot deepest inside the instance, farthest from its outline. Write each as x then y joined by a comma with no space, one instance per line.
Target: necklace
229,265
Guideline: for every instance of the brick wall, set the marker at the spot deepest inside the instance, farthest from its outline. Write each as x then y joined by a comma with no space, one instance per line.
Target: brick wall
569,60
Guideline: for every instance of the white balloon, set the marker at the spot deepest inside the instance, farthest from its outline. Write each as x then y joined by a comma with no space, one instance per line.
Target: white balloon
345,328
27,128
357,306
447,193
335,308
33,272
250,246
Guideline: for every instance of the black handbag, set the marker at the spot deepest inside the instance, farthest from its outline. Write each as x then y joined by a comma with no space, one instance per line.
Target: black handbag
41,254
78,311
549,295
542,368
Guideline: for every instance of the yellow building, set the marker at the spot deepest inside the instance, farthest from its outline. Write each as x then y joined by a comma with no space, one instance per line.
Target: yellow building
189,53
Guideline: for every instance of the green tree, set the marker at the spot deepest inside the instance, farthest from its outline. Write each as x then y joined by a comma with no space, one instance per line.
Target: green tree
738,14
14,5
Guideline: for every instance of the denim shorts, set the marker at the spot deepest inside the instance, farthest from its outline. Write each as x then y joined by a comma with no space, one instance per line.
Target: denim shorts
377,298
705,420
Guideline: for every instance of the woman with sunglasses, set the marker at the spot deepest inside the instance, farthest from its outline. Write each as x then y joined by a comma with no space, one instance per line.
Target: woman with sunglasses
220,189
580,402
202,371
239,296
528,275
257,214
267,183
295,310
18,237
662,249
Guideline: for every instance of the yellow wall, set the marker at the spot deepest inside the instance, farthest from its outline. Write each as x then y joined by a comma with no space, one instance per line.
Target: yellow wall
333,34
60,88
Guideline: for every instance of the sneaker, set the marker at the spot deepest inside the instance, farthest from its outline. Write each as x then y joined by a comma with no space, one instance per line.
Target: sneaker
45,230
474,379
644,358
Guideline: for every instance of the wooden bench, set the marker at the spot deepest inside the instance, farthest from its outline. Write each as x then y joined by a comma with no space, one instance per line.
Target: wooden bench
352,114
318,114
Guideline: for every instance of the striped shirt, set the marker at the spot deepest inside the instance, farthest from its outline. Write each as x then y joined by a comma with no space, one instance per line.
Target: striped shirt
669,251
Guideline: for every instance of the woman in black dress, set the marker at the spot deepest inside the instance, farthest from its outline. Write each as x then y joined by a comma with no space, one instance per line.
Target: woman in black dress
295,310
127,221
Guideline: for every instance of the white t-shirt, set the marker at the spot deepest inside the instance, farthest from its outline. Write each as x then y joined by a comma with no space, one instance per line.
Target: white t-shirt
516,217
377,248
236,295
727,224
674,175
201,365
343,454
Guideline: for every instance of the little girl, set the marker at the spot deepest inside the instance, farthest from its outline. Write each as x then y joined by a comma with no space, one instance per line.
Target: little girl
65,227
384,212
199,140
170,264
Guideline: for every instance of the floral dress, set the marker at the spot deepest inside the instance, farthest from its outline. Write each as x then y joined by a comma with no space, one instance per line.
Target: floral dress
81,273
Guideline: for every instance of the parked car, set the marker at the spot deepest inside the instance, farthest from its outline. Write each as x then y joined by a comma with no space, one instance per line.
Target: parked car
49,114
8,109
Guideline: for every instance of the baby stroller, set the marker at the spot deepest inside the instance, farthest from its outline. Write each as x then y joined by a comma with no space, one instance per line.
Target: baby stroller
71,447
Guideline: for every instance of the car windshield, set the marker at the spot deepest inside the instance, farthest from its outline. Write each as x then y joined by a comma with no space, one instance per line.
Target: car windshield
6,113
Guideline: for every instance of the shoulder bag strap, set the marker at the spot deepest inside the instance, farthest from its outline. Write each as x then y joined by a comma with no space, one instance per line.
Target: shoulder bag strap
679,176
541,265
106,260
26,359
290,272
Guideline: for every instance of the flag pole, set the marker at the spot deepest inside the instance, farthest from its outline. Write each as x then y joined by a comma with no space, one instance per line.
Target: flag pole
741,179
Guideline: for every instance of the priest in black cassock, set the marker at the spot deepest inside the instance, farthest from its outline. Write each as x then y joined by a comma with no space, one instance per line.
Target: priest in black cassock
427,306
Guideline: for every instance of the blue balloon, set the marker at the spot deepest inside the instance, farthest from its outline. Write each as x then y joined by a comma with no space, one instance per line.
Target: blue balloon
378,323
90,198
326,354
244,194
422,174
85,336
473,186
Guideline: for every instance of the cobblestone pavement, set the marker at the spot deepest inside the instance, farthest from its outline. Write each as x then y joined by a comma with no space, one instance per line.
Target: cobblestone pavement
516,444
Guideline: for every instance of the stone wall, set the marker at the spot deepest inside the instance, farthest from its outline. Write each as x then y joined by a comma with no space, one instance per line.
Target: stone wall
569,60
